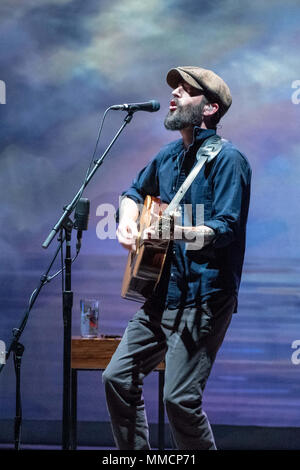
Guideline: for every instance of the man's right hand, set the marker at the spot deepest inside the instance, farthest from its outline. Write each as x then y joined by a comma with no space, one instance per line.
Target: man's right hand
127,233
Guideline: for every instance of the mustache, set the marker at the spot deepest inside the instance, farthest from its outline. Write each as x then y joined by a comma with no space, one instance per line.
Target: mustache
175,101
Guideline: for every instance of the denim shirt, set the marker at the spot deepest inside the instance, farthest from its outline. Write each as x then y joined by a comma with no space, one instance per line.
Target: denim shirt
191,277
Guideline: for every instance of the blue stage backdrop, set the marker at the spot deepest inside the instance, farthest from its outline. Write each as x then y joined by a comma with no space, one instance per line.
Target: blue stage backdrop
63,62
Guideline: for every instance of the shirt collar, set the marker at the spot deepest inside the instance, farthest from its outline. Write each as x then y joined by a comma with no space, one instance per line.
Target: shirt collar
199,135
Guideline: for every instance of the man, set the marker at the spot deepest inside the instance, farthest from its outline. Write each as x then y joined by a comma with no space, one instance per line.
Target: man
186,317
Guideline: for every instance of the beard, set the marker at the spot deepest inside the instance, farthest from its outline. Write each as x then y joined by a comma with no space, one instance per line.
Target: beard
187,116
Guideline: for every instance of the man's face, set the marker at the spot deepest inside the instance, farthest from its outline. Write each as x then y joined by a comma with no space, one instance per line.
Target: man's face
185,108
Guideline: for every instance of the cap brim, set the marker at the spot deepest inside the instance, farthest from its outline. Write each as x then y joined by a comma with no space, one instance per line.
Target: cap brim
175,76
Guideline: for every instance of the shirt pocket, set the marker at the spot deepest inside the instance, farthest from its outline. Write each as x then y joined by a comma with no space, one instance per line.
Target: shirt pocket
202,202
202,187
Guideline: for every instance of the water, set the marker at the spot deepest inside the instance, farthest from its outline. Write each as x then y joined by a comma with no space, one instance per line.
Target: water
89,318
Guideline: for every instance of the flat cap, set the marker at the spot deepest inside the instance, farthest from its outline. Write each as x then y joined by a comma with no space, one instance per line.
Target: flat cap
206,80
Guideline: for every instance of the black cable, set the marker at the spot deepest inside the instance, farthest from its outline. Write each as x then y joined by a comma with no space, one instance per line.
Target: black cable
94,153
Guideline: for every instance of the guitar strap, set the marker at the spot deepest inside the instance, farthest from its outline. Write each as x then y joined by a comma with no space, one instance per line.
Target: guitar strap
207,152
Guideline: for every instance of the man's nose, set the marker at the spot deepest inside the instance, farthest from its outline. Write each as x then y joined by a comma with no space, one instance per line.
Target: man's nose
177,91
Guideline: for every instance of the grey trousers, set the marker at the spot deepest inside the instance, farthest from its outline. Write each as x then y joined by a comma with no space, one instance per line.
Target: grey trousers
188,339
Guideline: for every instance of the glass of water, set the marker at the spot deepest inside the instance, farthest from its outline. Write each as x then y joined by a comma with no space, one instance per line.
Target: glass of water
89,309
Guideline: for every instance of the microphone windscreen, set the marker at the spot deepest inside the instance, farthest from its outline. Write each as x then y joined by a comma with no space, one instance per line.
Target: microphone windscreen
155,105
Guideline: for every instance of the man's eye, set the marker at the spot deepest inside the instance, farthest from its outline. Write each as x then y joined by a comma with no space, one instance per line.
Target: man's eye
194,92
188,89
191,91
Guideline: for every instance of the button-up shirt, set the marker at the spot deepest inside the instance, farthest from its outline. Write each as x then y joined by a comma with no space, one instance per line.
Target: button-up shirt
190,277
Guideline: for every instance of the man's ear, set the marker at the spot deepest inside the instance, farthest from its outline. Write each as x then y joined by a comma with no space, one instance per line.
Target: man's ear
210,108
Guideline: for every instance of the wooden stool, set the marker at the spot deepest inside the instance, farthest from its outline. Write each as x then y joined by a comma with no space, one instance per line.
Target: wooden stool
95,354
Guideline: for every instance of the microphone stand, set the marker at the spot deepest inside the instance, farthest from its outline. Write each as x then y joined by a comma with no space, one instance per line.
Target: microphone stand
17,348
65,223
67,322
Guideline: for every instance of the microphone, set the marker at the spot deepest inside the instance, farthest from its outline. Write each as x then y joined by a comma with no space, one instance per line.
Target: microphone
2,352
150,106
82,213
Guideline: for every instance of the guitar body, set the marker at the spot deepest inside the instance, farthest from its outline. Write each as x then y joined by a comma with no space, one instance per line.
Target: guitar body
144,266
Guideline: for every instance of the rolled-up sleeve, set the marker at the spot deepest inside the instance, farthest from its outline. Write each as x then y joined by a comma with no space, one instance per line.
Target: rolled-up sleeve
230,200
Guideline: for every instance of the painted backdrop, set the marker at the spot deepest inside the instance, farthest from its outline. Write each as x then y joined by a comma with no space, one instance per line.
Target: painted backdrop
62,63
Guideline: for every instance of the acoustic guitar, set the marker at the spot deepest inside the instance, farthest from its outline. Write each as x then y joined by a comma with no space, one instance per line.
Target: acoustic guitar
144,266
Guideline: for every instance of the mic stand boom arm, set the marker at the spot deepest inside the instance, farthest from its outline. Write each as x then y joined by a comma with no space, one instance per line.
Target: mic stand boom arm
69,209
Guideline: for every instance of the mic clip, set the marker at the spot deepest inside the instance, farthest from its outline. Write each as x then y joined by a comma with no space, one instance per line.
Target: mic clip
68,223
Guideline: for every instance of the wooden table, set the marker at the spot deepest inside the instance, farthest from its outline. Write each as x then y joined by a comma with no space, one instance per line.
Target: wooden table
95,354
